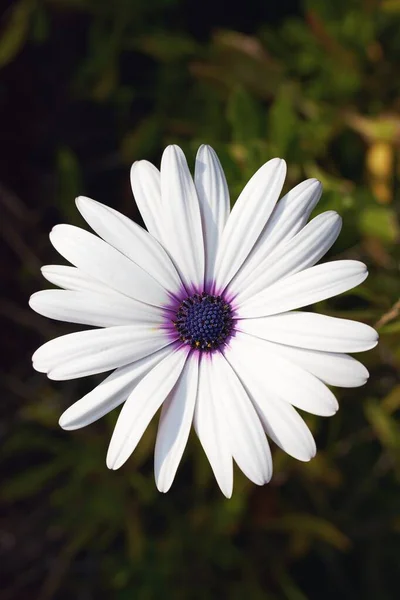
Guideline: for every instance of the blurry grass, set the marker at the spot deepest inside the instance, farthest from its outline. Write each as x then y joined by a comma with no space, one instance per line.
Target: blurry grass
319,89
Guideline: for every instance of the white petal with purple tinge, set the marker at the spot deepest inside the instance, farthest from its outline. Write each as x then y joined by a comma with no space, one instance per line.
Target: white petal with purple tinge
110,393
213,194
331,367
131,240
297,254
247,441
301,289
280,420
94,256
243,228
146,188
71,278
175,423
183,220
89,352
90,308
142,405
212,428
313,331
281,378
288,217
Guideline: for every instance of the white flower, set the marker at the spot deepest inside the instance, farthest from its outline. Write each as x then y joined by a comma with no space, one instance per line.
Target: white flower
199,316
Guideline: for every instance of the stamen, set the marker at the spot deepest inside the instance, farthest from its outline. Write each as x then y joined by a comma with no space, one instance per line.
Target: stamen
204,321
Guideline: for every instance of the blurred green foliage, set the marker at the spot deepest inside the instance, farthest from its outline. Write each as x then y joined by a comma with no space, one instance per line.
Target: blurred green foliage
114,82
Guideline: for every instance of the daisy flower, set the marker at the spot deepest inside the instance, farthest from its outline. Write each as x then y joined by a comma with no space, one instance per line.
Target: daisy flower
199,316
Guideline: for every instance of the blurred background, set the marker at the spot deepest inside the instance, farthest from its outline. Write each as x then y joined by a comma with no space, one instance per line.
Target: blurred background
86,88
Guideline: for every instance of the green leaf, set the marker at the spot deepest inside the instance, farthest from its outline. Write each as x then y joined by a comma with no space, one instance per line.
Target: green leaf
244,115
15,33
392,401
28,483
315,527
166,46
282,122
142,141
69,181
384,425
380,222
390,328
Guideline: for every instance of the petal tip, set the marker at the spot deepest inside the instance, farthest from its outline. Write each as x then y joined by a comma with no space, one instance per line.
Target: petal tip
31,301
66,422
278,163
206,149
173,151
82,201
163,485
111,462
227,493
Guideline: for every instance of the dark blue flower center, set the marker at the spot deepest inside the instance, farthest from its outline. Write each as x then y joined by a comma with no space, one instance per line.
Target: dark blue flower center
204,321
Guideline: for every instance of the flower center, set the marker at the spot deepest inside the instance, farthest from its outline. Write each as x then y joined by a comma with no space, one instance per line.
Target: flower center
204,321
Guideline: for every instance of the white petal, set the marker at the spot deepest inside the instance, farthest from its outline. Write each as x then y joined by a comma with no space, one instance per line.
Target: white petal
301,289
146,188
175,423
110,393
314,331
142,405
211,427
213,194
88,352
182,218
91,308
131,240
280,420
247,219
281,378
334,369
288,217
248,443
103,262
286,428
71,278
301,252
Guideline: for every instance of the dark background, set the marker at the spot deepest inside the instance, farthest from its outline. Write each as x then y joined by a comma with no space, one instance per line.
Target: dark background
86,88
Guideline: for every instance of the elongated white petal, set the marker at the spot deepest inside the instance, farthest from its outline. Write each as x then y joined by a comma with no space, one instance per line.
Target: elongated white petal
301,252
332,368
110,393
247,219
71,278
314,331
286,428
281,378
248,443
211,427
280,420
88,352
91,308
146,188
183,220
175,423
142,405
94,256
288,217
301,289
213,194
131,240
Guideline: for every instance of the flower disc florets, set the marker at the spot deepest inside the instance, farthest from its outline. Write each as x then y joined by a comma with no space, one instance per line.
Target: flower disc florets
204,321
